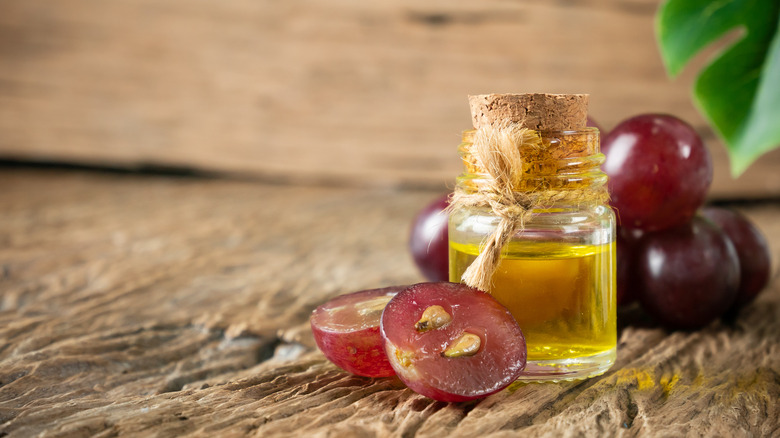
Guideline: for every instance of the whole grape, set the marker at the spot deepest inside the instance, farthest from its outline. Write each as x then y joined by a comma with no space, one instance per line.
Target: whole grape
659,171
752,251
428,240
592,123
625,242
688,275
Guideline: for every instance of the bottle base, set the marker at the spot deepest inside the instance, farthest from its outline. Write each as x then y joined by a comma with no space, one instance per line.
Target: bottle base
568,369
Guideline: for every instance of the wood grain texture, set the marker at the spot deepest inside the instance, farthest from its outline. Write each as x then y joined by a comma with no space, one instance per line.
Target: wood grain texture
164,307
313,90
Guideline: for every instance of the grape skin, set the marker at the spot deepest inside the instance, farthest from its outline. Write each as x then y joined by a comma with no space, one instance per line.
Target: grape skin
350,338
625,242
752,250
418,359
659,171
592,123
688,276
428,240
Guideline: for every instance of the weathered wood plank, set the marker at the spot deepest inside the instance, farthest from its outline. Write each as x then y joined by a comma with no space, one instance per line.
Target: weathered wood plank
139,306
317,89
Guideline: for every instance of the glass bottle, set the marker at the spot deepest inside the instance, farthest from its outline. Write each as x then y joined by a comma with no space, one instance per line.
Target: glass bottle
557,274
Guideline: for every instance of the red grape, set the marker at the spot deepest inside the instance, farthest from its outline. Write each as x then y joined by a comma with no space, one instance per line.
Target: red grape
659,171
752,251
626,264
451,342
428,241
346,330
688,275
594,124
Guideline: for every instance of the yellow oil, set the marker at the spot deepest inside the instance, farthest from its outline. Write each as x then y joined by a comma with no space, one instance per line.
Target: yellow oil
561,294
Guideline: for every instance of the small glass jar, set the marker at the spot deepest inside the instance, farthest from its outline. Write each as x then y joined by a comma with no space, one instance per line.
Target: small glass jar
557,274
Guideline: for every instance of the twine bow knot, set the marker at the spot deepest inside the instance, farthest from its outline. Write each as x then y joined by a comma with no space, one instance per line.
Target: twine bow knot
498,152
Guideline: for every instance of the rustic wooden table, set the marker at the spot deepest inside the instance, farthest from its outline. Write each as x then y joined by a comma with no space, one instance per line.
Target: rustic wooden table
158,306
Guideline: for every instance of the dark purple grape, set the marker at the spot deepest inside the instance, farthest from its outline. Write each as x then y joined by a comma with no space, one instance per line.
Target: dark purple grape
688,275
428,240
625,249
594,124
659,171
752,251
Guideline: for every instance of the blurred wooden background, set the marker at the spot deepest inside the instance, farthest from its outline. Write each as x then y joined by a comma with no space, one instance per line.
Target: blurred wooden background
318,90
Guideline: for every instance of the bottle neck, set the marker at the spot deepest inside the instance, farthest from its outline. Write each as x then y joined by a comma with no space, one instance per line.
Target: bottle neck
566,161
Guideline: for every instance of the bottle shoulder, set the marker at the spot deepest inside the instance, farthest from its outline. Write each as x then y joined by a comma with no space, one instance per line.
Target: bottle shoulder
563,215
594,224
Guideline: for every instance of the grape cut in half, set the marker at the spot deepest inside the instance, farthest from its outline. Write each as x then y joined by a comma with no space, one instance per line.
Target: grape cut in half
346,330
451,342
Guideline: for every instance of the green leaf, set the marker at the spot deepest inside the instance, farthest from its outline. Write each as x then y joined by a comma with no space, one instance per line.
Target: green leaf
739,91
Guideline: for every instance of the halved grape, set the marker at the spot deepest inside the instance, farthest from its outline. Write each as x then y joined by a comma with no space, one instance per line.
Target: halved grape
752,250
659,171
346,330
688,275
428,240
451,342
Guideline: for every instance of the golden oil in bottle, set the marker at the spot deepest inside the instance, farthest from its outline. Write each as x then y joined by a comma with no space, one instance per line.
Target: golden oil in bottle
560,299
556,274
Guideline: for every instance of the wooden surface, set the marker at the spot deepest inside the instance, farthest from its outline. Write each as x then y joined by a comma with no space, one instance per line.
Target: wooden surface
152,306
319,90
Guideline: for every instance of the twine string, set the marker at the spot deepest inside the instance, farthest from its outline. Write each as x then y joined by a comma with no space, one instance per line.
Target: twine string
499,153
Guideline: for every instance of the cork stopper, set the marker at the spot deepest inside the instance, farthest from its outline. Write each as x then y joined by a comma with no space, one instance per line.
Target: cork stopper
536,111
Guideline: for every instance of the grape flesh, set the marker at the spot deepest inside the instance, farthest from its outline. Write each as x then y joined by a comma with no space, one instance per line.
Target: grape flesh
428,240
752,250
346,329
659,171
687,276
419,357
